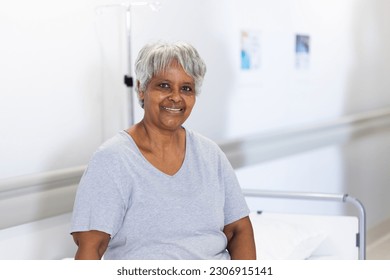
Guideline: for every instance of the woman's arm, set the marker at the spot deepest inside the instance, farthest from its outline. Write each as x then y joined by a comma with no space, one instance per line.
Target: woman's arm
92,244
241,244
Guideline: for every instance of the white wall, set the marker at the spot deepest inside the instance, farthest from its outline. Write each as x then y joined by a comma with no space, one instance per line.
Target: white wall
49,90
284,95
365,167
318,170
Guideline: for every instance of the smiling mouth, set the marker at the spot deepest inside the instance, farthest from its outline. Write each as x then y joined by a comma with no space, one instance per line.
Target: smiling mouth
173,110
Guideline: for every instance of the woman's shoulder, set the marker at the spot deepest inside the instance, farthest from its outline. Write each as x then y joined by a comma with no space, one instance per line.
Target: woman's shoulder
113,147
203,143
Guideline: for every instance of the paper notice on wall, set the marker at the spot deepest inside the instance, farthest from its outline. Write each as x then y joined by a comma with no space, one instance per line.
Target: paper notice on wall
302,51
250,50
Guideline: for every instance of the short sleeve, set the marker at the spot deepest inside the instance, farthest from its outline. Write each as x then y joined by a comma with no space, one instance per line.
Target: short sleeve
99,203
235,206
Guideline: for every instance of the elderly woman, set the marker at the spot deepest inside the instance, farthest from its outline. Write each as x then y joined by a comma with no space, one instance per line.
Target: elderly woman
158,190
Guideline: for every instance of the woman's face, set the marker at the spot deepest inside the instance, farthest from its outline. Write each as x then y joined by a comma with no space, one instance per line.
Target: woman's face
169,98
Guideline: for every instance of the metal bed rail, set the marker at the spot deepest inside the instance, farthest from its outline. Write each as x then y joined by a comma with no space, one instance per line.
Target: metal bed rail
343,198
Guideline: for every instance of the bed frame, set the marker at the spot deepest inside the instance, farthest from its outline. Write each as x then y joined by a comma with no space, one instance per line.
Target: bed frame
340,198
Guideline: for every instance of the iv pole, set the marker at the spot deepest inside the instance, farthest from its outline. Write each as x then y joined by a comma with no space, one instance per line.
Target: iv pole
128,78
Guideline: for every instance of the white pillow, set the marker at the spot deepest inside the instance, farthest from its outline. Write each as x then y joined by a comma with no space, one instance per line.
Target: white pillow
280,240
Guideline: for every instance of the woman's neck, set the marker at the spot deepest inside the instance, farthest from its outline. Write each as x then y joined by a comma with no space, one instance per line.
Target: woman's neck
153,139
165,150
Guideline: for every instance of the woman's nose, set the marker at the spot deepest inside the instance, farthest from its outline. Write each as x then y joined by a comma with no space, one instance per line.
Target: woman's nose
175,95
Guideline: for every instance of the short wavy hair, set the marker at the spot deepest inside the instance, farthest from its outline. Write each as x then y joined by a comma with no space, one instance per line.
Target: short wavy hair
157,57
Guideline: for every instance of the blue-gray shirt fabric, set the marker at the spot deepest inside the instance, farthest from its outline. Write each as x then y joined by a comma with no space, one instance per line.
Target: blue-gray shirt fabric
152,215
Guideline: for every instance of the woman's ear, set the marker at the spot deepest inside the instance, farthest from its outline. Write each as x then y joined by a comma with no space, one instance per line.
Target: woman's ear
141,95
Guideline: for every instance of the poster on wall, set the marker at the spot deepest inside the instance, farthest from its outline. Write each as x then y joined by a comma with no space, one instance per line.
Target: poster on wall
250,50
250,56
302,51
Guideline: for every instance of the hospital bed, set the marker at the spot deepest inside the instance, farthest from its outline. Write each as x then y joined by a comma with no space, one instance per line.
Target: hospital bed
283,235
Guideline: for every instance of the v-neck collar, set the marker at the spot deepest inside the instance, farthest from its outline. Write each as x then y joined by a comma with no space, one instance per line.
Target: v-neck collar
154,168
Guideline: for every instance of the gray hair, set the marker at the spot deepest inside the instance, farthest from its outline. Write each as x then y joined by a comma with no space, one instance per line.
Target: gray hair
155,58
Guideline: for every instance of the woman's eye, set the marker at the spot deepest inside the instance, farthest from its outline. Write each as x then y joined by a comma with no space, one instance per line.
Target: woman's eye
187,89
164,85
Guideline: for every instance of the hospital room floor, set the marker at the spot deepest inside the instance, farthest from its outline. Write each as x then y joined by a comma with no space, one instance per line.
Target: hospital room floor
380,249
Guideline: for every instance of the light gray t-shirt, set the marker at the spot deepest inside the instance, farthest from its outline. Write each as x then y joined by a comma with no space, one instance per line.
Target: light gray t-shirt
152,215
